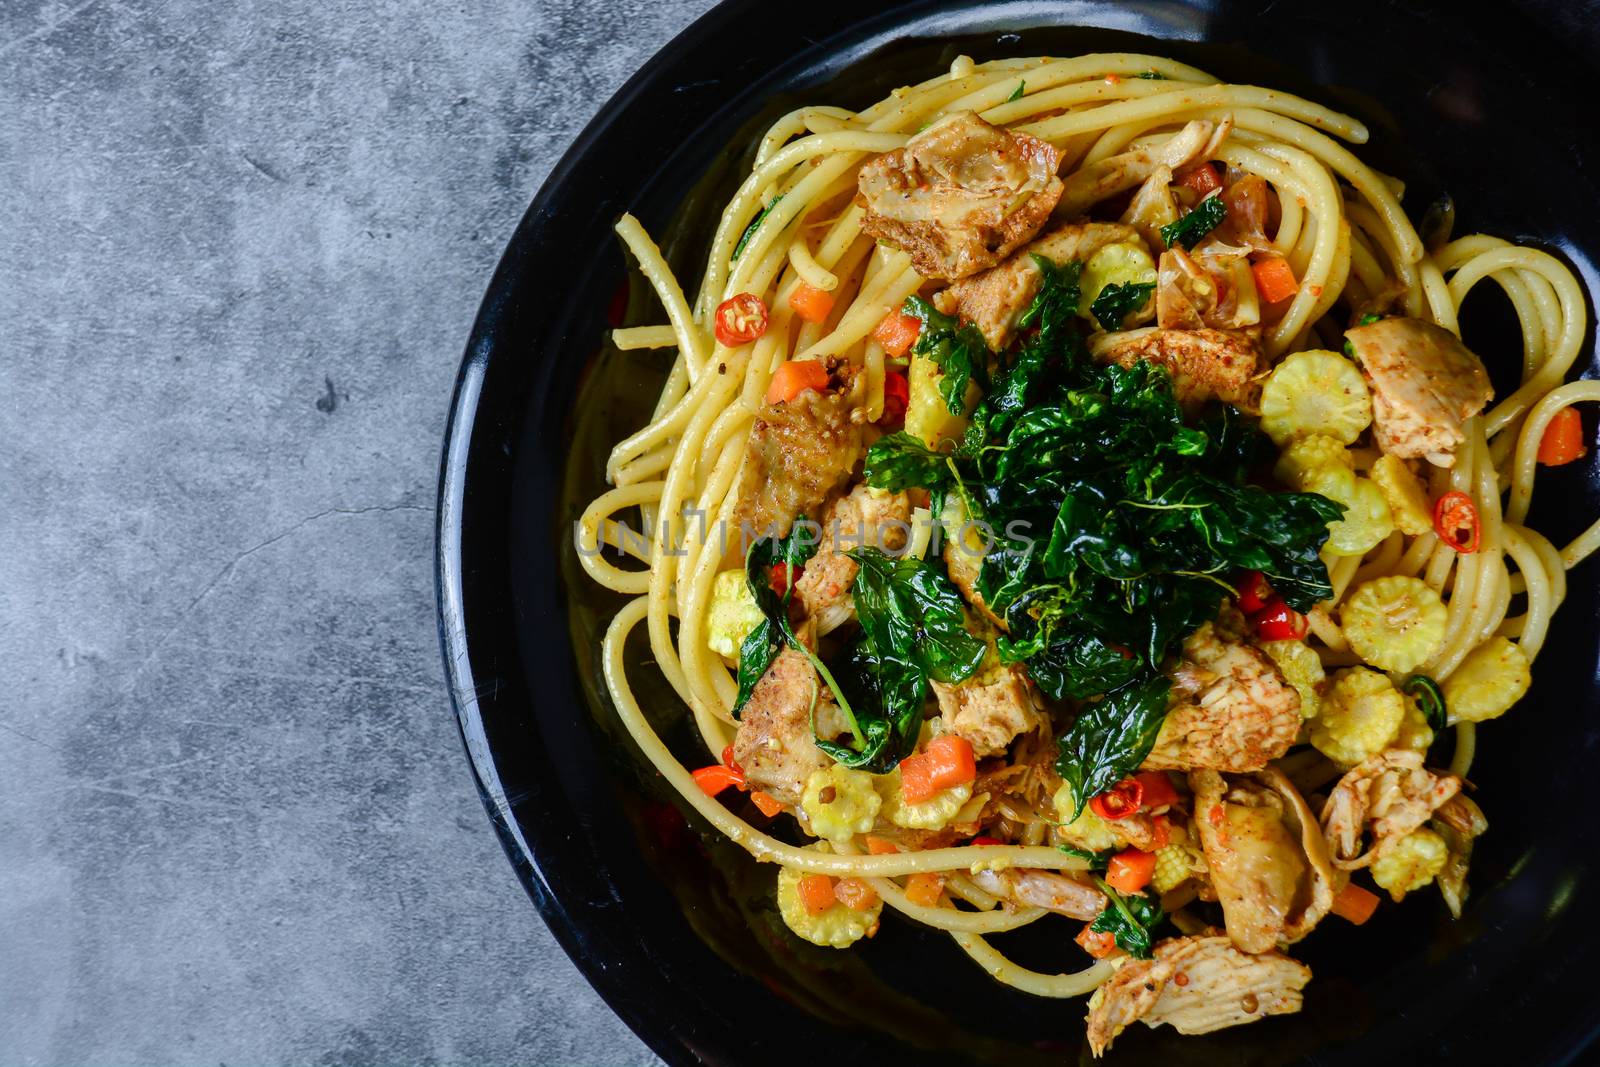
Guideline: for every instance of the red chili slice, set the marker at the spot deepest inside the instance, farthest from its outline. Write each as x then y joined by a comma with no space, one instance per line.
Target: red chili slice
896,398
1254,592
1455,520
1120,801
715,778
740,319
782,576
1279,622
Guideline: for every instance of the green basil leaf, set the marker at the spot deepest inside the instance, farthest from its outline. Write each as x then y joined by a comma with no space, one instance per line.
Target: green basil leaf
1129,919
755,223
959,352
1187,231
1113,304
1022,87
1430,699
1111,737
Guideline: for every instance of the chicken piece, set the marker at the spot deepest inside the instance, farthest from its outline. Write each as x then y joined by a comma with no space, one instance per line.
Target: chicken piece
798,454
1231,708
864,517
1424,381
1195,985
989,709
961,195
1460,822
1266,855
1205,364
994,300
1050,890
1093,182
774,742
1390,794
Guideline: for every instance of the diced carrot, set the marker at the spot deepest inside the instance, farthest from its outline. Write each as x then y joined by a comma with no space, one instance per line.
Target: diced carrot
946,762
897,333
810,303
925,888
1563,439
1161,832
1274,279
1158,790
879,847
855,894
1130,870
1095,943
715,778
1201,179
764,801
794,377
816,893
1355,904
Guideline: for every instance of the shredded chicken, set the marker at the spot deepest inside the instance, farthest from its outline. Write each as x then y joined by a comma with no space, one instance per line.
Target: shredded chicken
1460,822
864,517
774,742
1424,381
961,195
1205,364
1266,855
1195,985
1050,890
1390,795
798,454
989,709
1231,709
994,300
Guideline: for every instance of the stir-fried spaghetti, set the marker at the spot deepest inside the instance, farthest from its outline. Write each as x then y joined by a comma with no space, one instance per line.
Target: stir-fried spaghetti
1273,239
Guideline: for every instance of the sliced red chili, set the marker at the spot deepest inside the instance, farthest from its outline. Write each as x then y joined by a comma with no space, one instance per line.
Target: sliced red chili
740,319
727,760
1279,622
1254,592
1455,520
783,576
896,398
1158,791
1120,801
986,841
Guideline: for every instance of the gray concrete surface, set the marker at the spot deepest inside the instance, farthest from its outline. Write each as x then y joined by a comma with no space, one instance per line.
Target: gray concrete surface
241,244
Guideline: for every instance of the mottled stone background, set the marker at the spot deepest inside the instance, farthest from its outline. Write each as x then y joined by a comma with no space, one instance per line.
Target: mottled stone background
241,244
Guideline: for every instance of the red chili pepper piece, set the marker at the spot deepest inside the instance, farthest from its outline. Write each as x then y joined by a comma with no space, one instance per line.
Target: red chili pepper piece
739,320
1455,520
896,398
1279,622
1254,592
1120,801
782,576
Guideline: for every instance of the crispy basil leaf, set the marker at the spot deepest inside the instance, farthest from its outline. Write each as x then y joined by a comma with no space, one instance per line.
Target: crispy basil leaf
755,224
1150,75
1098,861
1187,231
1113,304
1111,737
762,645
913,631
901,460
1430,698
1129,918
959,352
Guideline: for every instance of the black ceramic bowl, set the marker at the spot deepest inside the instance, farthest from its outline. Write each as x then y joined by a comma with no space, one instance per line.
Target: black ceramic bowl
675,927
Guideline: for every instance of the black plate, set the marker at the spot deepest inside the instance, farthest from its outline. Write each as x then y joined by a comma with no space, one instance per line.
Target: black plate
671,924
